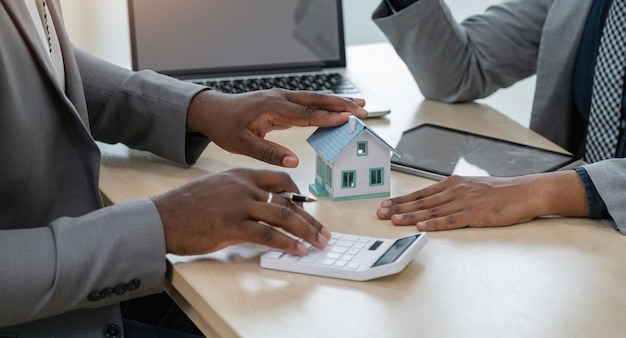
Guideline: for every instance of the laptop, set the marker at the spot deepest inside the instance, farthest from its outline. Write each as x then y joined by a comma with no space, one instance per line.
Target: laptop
243,45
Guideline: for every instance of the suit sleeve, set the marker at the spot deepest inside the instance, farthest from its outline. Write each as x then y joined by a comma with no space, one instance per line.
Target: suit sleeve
111,254
454,62
144,110
609,179
82,262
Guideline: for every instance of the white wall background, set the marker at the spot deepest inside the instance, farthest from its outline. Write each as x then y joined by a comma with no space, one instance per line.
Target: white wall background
101,27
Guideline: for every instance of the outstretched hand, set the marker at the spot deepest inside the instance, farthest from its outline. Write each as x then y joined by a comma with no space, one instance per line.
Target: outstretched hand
458,202
239,122
233,207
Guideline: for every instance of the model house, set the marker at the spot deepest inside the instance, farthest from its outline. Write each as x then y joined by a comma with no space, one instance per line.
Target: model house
352,162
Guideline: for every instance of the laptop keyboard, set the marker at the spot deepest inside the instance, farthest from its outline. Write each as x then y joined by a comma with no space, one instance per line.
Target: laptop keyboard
329,83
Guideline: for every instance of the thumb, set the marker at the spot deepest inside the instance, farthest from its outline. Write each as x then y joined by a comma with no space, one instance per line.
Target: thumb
272,153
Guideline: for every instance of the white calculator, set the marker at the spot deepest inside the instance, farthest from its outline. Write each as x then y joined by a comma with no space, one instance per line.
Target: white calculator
350,257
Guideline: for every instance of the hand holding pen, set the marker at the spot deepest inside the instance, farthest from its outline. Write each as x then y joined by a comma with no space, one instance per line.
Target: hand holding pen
297,198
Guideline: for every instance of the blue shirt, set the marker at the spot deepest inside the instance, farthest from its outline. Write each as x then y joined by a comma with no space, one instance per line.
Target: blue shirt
582,89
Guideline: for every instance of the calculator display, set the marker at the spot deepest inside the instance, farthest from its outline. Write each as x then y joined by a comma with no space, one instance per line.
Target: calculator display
396,250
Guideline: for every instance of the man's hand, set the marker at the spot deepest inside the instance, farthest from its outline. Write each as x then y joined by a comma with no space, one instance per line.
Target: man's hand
215,211
239,122
458,202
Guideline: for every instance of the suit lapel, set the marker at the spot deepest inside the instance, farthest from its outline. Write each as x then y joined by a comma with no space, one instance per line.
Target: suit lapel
557,55
567,29
73,97
21,19
73,83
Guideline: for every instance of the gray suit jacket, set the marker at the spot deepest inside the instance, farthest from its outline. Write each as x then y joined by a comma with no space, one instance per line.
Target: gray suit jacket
66,262
513,40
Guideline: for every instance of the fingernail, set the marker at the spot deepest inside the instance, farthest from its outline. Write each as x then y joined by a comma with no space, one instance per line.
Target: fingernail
421,225
301,248
384,211
290,161
325,233
385,203
321,239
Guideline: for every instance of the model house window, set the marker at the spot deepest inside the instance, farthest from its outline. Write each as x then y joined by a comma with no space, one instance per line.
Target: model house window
361,148
329,176
376,176
320,167
348,179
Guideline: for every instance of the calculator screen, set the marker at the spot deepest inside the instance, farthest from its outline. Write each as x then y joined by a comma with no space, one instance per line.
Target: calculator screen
396,250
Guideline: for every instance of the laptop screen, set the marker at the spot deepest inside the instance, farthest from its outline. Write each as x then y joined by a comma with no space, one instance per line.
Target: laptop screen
226,37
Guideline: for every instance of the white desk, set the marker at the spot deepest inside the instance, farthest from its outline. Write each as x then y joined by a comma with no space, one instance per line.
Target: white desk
548,278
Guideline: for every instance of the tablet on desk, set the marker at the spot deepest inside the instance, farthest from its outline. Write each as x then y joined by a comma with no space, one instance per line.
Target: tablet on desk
438,152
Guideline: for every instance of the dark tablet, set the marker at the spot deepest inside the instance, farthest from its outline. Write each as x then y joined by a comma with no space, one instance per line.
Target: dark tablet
437,152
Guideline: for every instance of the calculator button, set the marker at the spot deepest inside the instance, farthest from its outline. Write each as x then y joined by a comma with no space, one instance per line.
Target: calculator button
359,245
341,264
314,253
273,254
353,266
327,262
353,251
350,238
338,249
347,257
345,243
333,255
290,257
309,258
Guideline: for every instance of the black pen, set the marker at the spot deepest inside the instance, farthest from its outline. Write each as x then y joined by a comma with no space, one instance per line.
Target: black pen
297,198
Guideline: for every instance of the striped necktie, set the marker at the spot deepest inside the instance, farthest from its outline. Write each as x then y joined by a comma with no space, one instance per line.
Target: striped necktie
608,85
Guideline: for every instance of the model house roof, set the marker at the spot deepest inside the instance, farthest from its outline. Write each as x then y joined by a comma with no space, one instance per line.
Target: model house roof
330,142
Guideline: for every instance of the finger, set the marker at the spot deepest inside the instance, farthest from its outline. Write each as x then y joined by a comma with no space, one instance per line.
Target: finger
280,182
274,181
266,235
412,218
359,101
298,208
268,151
286,217
414,196
460,219
326,101
429,208
447,222
416,203
304,116
322,106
